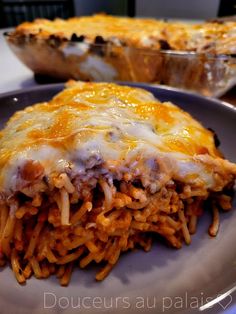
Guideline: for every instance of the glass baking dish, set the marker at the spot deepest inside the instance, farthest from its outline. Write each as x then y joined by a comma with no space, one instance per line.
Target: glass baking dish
205,73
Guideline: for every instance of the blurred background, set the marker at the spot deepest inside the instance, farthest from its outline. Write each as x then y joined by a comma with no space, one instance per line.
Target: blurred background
13,12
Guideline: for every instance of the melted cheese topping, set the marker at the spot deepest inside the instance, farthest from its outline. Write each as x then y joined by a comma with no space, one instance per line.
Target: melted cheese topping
109,27
206,36
116,124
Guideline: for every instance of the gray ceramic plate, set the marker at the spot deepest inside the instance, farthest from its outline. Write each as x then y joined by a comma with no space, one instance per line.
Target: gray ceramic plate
161,281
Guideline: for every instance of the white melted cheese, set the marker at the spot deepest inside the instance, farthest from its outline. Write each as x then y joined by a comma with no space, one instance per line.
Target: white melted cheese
76,49
107,122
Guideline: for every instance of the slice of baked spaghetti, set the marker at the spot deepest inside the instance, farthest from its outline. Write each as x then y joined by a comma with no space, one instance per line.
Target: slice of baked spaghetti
97,171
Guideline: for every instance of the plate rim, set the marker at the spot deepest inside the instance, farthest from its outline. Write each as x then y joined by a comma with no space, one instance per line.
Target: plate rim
212,100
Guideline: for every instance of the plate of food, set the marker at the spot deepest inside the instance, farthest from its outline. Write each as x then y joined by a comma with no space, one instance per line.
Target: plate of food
116,198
